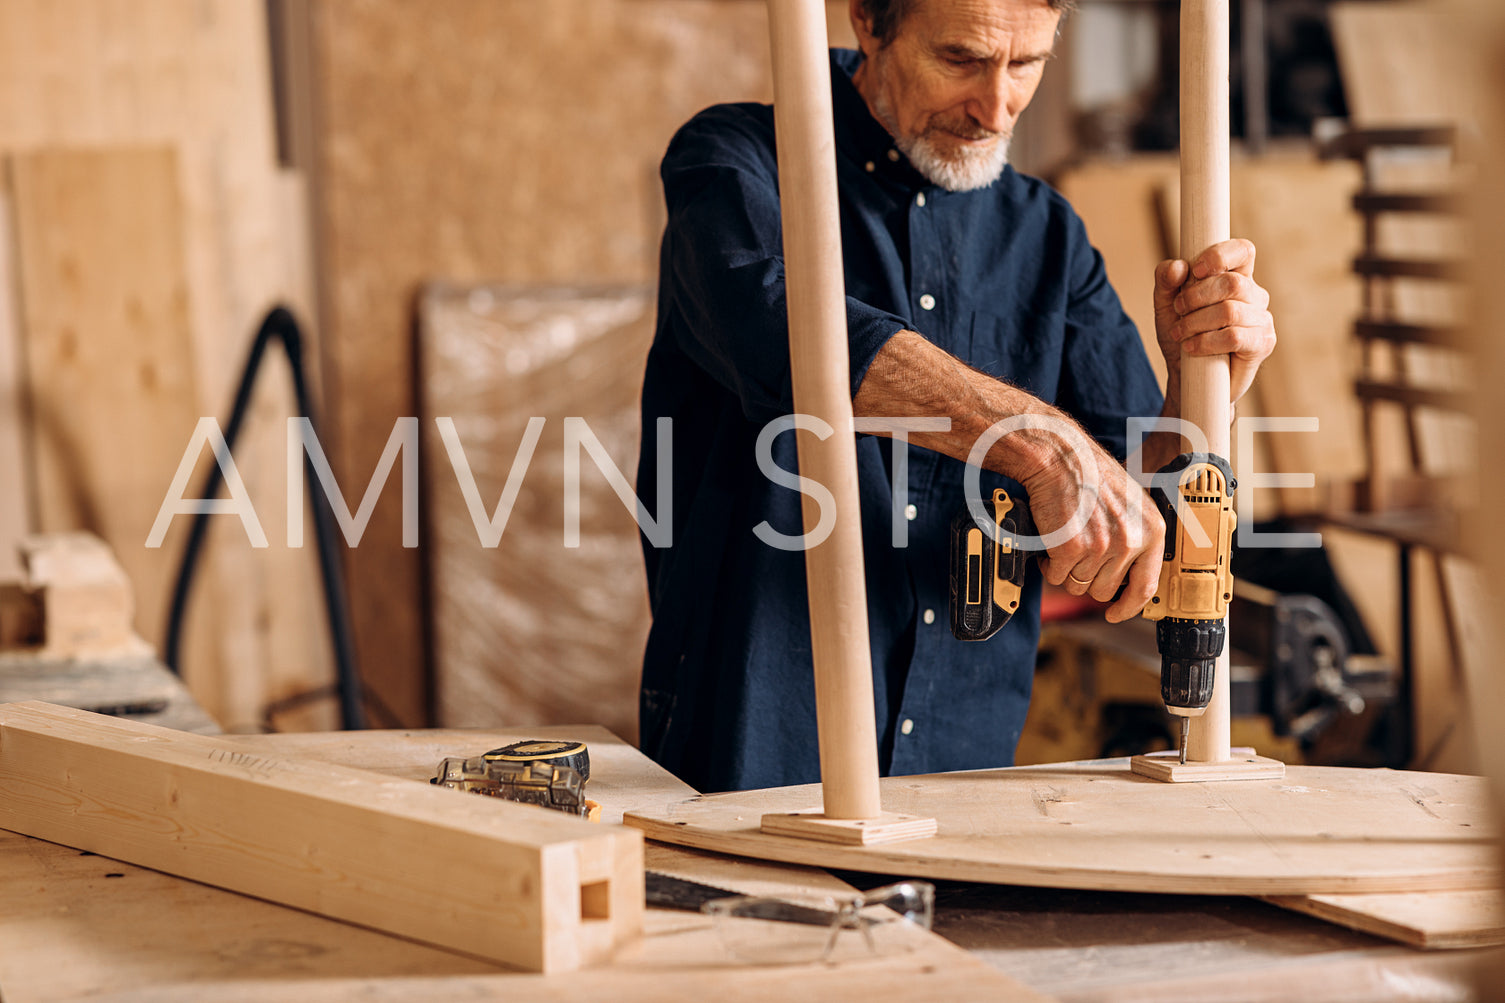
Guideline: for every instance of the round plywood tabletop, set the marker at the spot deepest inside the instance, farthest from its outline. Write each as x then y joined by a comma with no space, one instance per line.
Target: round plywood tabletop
1318,829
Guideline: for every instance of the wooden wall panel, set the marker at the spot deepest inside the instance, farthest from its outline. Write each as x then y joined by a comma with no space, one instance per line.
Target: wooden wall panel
193,75
107,345
486,140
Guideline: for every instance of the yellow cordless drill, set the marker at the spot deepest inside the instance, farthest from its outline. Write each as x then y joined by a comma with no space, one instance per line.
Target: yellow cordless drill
1195,495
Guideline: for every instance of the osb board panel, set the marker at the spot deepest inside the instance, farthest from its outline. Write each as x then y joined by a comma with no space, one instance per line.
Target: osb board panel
530,631
1319,829
194,75
495,140
107,346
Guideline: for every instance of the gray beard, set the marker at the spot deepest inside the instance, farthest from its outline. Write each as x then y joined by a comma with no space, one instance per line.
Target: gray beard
963,171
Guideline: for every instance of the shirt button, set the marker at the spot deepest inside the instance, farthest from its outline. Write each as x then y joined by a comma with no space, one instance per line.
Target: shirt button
919,200
910,512
930,616
907,726
893,155
927,302
869,167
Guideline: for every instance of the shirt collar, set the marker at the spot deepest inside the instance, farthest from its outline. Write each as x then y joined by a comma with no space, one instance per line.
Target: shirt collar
859,132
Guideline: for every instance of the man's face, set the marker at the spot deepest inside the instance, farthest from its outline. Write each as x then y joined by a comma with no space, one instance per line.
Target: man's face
951,83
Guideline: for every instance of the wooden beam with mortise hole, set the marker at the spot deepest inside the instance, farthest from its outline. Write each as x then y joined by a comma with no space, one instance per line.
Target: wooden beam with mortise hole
510,883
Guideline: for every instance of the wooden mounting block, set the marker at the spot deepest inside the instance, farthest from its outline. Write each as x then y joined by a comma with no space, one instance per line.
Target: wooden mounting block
1319,829
512,883
888,827
1242,764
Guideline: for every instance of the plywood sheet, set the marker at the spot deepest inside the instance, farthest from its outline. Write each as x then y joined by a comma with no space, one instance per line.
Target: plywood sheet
108,348
1320,829
1421,919
530,631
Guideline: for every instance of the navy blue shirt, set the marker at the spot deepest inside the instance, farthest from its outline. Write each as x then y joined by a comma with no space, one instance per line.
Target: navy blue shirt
1003,278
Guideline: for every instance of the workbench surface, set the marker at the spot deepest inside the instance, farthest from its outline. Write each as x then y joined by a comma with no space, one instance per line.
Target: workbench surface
75,925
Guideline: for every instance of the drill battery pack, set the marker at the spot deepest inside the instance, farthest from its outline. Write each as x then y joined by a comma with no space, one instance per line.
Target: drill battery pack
987,570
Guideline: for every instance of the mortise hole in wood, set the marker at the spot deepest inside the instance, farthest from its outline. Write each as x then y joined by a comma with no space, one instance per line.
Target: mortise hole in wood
595,900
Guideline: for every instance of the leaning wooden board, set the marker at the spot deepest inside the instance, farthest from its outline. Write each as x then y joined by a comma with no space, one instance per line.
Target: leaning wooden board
1318,830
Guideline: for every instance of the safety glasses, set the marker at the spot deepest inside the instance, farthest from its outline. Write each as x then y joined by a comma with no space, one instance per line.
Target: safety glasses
801,929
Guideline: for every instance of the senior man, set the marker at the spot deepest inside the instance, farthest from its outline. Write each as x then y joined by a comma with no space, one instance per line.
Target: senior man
973,294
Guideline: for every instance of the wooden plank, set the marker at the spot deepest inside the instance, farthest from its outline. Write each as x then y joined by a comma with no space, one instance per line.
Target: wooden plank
1421,919
1413,396
1446,336
109,355
1321,829
504,882
85,597
1406,268
15,477
68,931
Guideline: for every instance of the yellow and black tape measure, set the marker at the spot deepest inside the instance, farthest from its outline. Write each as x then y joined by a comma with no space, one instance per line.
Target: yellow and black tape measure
547,751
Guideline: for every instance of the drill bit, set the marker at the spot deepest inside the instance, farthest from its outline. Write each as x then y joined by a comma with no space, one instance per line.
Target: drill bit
1185,733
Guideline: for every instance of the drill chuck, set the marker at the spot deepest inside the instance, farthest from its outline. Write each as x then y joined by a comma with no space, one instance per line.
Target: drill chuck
1189,651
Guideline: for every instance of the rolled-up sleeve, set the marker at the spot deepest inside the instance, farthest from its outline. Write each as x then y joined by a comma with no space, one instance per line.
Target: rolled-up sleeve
724,248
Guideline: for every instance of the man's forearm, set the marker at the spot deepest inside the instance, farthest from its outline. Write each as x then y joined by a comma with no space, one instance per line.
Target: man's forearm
912,378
